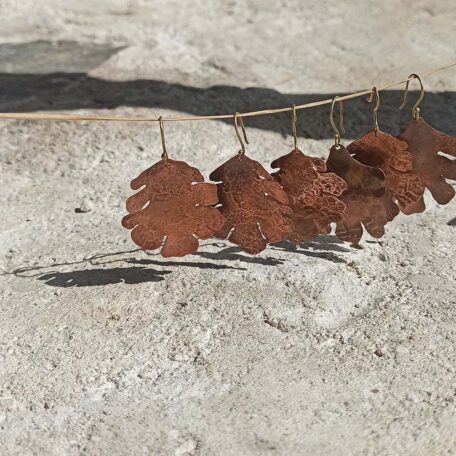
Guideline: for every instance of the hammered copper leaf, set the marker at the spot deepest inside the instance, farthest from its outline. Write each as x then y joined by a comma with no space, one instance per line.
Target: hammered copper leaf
363,198
425,143
403,187
175,204
312,192
254,205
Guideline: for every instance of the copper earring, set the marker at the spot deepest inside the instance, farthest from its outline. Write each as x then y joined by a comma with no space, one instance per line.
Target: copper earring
174,209
313,192
254,206
363,197
403,187
425,143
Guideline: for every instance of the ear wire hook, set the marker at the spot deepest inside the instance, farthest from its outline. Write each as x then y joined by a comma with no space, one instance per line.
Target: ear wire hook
238,121
341,120
416,107
294,119
164,155
377,105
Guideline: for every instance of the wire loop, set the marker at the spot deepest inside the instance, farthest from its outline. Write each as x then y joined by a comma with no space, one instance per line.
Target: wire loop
238,121
341,119
294,120
164,155
370,99
416,107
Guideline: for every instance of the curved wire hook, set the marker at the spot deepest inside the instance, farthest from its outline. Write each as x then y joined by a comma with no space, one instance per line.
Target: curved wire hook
294,120
370,99
341,120
238,121
164,154
416,107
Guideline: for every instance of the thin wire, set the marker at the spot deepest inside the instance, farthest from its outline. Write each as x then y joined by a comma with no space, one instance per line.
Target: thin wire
164,155
238,121
416,106
96,118
341,119
294,120
374,92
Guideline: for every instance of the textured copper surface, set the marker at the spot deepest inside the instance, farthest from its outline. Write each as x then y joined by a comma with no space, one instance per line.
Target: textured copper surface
313,194
403,187
363,198
424,143
253,203
175,203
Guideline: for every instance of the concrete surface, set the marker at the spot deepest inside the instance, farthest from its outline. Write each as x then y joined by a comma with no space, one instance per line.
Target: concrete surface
319,350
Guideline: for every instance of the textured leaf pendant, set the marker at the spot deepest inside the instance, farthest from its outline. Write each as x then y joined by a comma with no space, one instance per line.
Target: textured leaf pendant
314,194
425,143
173,210
403,187
254,205
363,198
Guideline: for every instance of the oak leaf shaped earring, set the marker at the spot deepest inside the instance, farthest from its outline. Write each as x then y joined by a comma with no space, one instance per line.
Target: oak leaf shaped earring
403,187
174,207
254,205
313,192
363,197
425,143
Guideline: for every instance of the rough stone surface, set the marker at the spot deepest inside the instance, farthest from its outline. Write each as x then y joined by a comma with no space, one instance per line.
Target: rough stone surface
322,349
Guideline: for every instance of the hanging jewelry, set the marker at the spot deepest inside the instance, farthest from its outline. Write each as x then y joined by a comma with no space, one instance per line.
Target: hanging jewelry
253,204
313,193
403,187
173,209
363,198
425,143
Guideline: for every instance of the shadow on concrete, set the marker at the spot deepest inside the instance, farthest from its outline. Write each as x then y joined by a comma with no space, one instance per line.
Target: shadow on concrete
234,253
63,91
322,247
191,264
103,276
99,277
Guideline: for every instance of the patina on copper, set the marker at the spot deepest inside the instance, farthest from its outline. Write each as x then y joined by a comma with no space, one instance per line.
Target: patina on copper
313,194
254,205
403,187
363,198
173,210
425,143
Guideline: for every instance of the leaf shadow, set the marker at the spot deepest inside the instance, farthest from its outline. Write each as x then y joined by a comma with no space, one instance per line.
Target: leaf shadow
236,254
321,247
192,264
99,277
96,276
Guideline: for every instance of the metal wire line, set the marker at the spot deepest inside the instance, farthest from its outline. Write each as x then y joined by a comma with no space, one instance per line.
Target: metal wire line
101,118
